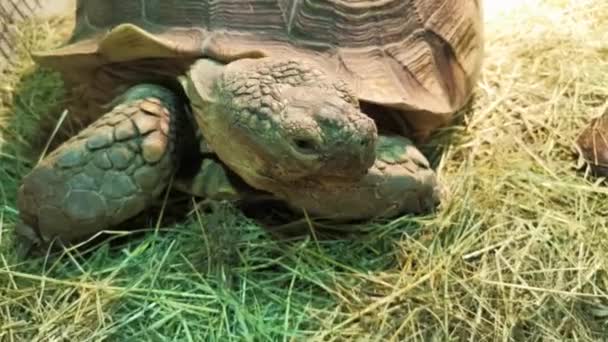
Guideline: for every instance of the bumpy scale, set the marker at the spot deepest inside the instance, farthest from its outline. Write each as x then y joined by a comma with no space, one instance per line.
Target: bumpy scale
401,180
107,173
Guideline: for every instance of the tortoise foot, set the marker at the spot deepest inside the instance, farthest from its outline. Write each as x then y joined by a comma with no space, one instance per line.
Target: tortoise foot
400,182
106,174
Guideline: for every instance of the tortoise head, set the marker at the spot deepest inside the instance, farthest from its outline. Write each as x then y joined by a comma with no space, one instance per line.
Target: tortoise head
280,120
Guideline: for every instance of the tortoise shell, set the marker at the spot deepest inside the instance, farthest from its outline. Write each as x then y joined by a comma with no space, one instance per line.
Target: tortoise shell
418,57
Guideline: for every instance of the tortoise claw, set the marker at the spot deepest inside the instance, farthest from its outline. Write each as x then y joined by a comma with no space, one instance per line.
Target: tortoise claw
28,232
27,240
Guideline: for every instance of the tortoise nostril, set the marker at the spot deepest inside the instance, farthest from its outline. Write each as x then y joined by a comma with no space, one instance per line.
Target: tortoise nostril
367,142
303,145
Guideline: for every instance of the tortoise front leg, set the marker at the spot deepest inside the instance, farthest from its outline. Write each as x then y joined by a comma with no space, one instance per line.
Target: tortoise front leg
400,182
109,172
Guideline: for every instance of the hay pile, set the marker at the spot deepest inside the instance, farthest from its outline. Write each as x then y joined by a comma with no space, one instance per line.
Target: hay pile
518,251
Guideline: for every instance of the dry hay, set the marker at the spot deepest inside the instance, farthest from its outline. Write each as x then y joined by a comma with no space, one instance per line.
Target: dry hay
518,250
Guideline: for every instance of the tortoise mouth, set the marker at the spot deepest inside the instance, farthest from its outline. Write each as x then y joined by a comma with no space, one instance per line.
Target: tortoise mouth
279,156
261,170
257,179
270,163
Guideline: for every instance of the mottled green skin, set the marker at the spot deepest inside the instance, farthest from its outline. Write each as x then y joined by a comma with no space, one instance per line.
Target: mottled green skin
349,173
280,120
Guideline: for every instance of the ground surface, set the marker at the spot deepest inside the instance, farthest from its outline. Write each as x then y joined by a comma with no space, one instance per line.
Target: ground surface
14,11
518,251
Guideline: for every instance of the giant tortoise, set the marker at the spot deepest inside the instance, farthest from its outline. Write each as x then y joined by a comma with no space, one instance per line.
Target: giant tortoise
318,103
591,146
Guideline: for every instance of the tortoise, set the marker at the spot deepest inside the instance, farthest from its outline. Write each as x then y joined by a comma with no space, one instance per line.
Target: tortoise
592,146
318,103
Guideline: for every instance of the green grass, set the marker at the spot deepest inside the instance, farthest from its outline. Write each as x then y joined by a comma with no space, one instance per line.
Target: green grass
518,251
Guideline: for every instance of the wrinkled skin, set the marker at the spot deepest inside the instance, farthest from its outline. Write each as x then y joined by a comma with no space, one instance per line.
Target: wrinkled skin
400,181
281,120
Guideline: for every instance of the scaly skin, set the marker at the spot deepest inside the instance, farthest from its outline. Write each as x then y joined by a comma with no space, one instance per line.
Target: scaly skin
400,182
281,120
107,173
112,170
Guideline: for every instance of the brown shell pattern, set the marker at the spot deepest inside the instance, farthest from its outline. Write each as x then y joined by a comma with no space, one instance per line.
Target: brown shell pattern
412,55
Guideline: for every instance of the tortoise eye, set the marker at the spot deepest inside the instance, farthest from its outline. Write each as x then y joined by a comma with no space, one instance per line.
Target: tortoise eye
306,146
